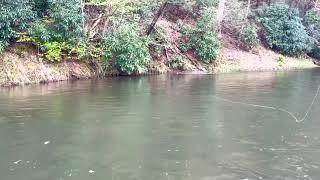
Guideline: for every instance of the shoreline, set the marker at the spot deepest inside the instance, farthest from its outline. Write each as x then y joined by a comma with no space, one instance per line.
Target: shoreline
24,70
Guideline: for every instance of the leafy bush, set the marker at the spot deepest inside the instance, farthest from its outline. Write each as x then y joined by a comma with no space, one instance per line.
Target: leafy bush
54,50
312,17
207,20
312,23
178,62
285,31
63,21
40,31
203,39
127,50
206,45
41,7
280,60
67,19
60,28
206,3
315,52
249,37
15,16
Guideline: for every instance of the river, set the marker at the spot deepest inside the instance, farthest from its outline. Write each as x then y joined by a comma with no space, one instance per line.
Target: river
166,127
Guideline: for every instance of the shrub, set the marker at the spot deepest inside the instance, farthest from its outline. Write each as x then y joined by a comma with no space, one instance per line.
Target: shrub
127,50
203,39
41,7
59,30
67,19
280,60
15,16
178,62
312,23
315,52
63,21
312,17
249,37
54,50
206,45
40,31
206,3
285,31
207,20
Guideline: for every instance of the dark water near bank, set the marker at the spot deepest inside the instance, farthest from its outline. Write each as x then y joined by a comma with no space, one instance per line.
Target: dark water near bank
162,128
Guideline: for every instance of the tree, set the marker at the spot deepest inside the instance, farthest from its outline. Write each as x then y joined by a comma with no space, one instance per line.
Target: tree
220,13
156,17
248,9
15,17
285,31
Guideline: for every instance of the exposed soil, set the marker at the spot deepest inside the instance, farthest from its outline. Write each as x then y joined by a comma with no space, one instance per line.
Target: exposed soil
232,57
20,65
27,68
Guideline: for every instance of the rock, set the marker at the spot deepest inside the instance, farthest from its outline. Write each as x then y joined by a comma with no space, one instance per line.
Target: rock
316,62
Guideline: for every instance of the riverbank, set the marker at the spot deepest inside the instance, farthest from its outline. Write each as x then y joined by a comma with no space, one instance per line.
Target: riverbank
26,68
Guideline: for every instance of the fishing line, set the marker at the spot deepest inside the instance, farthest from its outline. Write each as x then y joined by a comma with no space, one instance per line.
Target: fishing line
291,114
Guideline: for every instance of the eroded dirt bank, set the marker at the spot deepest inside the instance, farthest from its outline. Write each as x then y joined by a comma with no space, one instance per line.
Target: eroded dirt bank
28,69
17,69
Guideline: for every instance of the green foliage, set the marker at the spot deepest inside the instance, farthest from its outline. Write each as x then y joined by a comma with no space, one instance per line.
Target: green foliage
121,6
65,20
312,17
178,63
41,7
281,60
40,31
15,16
206,3
59,30
315,52
203,39
207,20
129,10
206,45
249,37
86,51
54,50
127,50
285,31
312,23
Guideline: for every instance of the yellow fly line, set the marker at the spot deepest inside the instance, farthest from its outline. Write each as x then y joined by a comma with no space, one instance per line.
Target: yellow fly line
275,108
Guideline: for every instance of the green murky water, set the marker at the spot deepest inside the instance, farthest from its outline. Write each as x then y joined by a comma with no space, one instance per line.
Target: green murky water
162,128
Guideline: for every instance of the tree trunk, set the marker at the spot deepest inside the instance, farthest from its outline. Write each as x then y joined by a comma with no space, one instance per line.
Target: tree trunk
248,9
220,13
257,3
156,18
292,3
82,4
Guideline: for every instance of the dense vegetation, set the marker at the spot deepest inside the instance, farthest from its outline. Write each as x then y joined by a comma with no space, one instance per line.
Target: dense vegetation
285,31
123,34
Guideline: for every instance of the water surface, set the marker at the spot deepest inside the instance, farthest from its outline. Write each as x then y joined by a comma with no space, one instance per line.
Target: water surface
162,128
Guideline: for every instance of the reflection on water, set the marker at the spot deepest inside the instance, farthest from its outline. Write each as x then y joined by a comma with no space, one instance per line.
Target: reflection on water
162,128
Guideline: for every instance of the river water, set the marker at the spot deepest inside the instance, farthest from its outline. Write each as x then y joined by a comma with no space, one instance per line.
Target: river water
162,128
